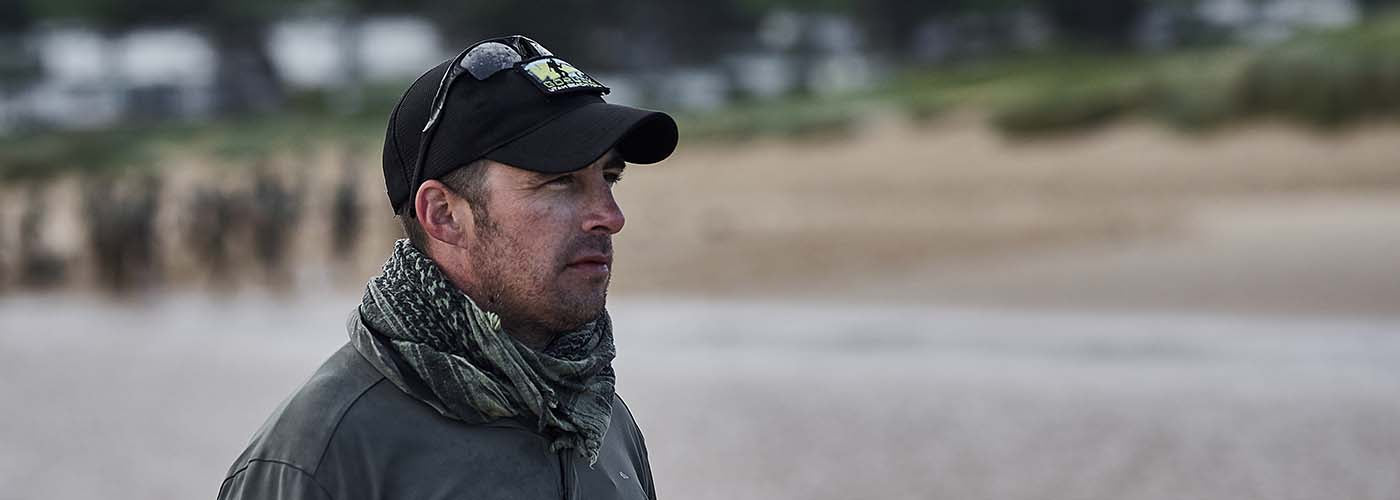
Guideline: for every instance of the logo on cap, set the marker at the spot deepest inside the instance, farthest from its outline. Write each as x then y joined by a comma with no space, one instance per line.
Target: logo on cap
553,76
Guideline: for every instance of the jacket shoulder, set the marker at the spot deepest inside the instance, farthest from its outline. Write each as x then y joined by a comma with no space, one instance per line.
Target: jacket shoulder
264,479
298,432
623,421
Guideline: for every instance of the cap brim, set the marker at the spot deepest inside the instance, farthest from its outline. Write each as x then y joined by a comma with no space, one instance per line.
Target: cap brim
580,136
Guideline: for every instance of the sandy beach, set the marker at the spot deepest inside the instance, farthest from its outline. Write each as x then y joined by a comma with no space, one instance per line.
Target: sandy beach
907,313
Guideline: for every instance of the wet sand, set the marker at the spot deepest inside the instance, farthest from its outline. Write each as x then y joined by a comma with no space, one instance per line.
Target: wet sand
775,399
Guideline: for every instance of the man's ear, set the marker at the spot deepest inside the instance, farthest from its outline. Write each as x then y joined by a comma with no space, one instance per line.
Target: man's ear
439,210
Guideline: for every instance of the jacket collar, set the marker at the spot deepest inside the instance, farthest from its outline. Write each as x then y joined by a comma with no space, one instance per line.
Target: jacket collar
376,350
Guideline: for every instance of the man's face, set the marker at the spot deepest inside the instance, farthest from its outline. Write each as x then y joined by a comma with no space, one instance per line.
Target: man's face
542,254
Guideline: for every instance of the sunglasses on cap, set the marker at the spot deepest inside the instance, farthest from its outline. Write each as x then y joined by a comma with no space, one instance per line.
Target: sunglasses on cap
481,61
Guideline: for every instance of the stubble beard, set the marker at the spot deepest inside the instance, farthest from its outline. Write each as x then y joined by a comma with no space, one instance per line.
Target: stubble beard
528,294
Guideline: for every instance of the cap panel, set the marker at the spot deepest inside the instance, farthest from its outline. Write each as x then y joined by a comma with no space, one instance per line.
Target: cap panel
481,118
405,131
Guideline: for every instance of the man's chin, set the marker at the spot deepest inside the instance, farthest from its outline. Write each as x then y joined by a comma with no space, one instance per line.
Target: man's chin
579,315
574,312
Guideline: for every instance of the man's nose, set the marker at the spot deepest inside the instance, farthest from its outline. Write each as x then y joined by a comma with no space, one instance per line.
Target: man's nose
603,212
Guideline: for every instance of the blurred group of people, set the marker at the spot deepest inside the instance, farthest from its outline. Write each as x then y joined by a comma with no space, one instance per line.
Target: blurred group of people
215,228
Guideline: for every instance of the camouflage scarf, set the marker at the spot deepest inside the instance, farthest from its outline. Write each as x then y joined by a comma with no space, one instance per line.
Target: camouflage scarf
476,372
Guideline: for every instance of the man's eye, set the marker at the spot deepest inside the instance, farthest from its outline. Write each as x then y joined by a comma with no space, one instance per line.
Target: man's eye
613,178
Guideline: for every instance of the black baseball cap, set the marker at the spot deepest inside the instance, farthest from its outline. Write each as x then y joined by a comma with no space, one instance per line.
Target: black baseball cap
543,114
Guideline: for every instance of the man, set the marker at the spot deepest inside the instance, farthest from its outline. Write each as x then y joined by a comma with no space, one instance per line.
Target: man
479,362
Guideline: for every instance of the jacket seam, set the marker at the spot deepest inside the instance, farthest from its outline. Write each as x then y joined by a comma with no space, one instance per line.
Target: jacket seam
341,419
636,430
300,470
640,442
626,408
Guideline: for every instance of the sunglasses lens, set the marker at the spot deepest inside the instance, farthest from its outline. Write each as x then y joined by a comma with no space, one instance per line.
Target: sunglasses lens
488,58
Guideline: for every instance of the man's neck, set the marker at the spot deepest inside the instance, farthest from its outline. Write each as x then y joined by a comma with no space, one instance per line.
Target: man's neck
531,335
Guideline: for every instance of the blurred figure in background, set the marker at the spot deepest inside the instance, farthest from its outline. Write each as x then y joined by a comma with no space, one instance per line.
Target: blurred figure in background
275,214
39,266
209,219
121,230
346,219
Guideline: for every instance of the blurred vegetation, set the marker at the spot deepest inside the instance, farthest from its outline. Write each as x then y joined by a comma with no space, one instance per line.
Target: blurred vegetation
235,140
793,118
1325,79
1336,79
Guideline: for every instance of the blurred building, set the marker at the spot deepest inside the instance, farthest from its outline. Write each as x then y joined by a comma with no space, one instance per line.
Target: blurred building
945,38
1251,21
91,80
329,53
88,79
1275,20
